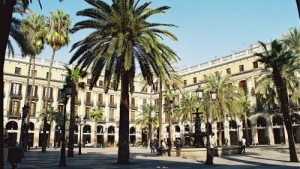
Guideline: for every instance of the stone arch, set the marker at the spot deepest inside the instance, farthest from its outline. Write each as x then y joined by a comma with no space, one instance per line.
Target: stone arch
262,130
132,135
233,135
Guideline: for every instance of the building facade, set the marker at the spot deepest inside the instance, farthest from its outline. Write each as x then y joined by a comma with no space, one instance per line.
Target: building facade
266,123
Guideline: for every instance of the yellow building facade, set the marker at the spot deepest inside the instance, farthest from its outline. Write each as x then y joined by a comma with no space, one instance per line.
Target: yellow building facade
266,128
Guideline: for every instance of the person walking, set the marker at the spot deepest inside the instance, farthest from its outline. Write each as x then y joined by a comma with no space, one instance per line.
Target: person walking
211,147
178,147
153,146
243,145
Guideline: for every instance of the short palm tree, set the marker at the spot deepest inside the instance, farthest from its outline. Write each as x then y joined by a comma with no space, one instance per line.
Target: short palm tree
277,59
73,77
96,114
188,106
227,98
146,119
34,29
121,38
57,37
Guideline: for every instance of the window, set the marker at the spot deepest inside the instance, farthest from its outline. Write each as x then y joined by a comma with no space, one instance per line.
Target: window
16,89
156,102
50,92
228,70
255,65
32,108
243,85
33,72
241,68
132,116
100,83
144,101
17,70
87,112
184,83
88,97
100,98
33,90
195,79
111,115
133,101
111,99
62,77
47,74
88,81
15,107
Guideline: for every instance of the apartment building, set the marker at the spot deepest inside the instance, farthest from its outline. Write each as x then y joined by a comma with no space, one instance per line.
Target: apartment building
266,123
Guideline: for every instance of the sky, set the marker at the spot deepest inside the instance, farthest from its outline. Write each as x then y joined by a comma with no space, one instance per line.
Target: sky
206,29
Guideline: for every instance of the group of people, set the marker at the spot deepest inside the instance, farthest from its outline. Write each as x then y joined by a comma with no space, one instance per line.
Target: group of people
165,145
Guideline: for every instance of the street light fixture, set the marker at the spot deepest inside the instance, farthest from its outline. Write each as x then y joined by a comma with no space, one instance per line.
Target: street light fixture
65,95
209,153
81,123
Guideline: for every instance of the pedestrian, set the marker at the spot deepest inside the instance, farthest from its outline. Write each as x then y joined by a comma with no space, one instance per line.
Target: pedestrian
178,147
211,147
243,145
153,146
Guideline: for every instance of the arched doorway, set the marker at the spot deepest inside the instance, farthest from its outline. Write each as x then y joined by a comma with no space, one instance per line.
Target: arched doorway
187,135
262,131
31,134
86,138
249,139
132,137
111,135
233,132
177,132
296,127
220,133
41,134
12,130
100,138
278,129
144,135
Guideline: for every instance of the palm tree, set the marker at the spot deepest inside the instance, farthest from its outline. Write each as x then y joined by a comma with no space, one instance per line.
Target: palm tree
146,119
121,38
277,60
292,40
188,106
172,110
59,25
34,28
74,75
244,105
53,115
227,98
96,114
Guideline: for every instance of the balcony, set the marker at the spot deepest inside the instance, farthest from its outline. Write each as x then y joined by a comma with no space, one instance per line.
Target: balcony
13,114
133,107
34,97
16,96
50,98
100,104
112,105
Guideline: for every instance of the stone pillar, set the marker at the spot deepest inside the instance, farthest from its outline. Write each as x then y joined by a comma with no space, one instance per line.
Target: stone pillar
254,132
286,137
269,131
226,131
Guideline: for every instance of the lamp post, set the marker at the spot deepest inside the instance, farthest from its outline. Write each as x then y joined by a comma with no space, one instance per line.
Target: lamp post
65,94
80,123
25,111
209,153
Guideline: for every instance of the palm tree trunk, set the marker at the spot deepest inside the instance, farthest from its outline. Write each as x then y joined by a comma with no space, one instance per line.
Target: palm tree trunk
150,122
24,140
30,101
123,152
6,11
220,134
171,131
283,97
72,121
48,139
246,128
160,137
44,144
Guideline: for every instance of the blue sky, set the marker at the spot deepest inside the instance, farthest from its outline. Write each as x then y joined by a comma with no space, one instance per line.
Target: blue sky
206,28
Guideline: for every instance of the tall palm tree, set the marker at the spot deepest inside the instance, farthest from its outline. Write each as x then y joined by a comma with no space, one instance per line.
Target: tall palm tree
227,98
122,37
188,106
74,75
96,114
59,25
276,60
244,105
34,28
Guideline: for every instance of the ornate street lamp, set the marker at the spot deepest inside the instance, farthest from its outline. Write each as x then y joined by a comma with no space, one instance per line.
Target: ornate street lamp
65,95
209,153
25,111
80,123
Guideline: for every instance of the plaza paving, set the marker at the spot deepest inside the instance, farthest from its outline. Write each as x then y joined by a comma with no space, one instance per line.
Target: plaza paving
275,157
